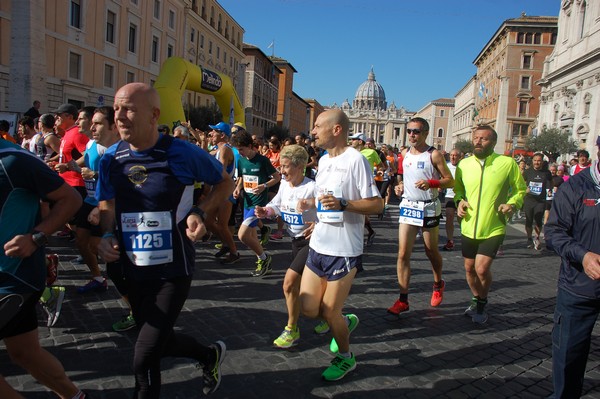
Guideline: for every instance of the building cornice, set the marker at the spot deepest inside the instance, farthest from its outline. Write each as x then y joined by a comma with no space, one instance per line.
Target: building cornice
571,67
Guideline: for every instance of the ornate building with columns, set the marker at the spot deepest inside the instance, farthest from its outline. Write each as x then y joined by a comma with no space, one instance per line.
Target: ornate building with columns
571,77
370,114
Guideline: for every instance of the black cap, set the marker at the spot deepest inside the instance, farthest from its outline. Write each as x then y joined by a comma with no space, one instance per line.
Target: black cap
67,109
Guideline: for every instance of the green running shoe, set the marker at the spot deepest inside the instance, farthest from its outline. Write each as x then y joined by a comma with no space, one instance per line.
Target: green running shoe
322,328
126,323
288,338
352,323
340,366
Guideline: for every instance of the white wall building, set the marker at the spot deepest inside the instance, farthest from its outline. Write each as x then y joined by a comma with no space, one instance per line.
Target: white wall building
464,114
570,97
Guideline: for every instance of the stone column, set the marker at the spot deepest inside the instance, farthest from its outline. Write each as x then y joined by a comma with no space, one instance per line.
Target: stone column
27,55
501,116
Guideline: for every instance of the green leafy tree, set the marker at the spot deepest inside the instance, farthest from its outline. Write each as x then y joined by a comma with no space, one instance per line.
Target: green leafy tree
201,117
464,146
552,143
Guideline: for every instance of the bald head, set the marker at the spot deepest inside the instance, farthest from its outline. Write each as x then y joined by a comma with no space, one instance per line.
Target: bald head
137,108
338,117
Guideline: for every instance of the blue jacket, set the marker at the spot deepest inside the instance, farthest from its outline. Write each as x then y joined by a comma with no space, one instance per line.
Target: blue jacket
573,229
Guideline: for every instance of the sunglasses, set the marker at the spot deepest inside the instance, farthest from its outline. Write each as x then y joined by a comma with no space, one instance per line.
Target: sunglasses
413,131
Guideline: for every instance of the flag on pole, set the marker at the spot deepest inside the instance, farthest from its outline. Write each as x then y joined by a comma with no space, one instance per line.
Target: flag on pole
272,44
482,90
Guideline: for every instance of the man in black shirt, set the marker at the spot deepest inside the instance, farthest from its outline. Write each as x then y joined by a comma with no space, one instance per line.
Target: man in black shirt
538,181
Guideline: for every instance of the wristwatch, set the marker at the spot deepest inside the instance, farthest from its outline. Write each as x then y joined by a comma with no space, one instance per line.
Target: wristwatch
343,204
39,238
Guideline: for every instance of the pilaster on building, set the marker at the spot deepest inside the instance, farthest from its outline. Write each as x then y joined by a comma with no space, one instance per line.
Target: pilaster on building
570,84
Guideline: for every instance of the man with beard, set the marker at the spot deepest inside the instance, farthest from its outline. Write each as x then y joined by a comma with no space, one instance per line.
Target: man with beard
481,193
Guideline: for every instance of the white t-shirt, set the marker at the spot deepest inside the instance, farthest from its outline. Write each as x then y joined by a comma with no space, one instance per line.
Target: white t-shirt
450,191
349,177
284,204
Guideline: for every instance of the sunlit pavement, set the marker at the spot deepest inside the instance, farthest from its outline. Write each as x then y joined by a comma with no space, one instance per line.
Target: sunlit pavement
425,353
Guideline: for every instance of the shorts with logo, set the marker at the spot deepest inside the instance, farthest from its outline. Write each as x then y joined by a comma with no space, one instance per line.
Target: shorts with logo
332,267
250,218
299,254
450,203
487,246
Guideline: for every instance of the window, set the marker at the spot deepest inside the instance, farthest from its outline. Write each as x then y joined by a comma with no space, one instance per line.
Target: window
76,14
537,38
169,50
157,9
529,38
111,21
109,71
193,35
154,49
209,47
218,52
525,82
527,61
520,37
130,77
440,132
201,41
225,57
132,37
74,66
442,113
522,108
587,103
171,19
520,129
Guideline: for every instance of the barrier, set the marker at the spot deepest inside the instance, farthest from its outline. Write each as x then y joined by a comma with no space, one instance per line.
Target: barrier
178,75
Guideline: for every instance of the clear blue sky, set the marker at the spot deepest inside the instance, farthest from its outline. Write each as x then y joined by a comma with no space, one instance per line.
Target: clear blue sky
420,50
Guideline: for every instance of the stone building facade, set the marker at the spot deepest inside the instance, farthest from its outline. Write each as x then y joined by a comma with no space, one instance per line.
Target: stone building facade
370,114
438,113
507,68
570,84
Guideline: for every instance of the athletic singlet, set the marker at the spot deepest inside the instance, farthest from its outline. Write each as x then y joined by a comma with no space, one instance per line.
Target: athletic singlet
230,169
147,198
93,153
43,151
419,167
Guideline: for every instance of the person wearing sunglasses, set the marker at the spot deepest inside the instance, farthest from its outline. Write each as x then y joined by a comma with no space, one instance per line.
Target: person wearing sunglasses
425,173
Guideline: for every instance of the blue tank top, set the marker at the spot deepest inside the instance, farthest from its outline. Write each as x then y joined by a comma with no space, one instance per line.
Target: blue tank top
148,196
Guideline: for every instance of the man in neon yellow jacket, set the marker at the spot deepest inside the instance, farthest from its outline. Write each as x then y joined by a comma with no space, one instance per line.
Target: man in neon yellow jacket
488,189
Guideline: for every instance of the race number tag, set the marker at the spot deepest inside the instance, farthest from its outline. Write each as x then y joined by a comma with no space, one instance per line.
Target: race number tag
330,215
290,215
412,212
535,188
250,183
90,187
148,237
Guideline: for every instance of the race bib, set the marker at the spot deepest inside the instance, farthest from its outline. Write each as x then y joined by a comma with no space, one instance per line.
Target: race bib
148,237
250,183
290,215
90,187
330,215
535,188
412,212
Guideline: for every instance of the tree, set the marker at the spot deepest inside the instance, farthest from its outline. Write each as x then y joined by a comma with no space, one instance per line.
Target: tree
464,146
552,143
201,117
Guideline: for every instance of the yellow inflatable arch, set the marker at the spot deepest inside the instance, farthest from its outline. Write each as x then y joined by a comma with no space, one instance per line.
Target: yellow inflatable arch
178,75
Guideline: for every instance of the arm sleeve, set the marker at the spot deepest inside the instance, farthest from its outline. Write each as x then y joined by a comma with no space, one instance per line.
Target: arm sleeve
558,231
